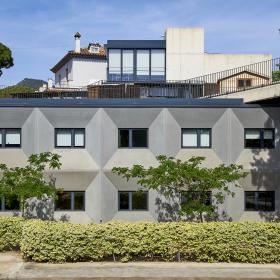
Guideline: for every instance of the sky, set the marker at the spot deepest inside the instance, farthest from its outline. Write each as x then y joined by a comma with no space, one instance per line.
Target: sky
40,32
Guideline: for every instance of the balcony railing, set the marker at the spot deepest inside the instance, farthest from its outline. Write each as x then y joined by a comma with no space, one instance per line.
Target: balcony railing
126,74
217,84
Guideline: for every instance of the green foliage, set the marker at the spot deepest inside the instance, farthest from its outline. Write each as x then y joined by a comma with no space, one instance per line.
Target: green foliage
6,59
29,181
276,74
5,92
175,178
203,242
10,233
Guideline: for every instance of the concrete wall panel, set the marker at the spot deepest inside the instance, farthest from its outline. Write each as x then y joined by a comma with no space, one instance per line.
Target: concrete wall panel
68,117
131,118
196,117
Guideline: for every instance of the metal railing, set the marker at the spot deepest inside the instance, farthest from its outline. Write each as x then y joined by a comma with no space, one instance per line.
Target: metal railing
48,94
69,85
242,78
238,79
216,84
169,89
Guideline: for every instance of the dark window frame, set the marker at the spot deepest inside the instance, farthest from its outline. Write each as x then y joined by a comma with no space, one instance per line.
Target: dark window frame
130,202
261,130
3,132
72,202
72,131
198,132
130,139
67,75
59,79
3,206
244,81
256,201
135,76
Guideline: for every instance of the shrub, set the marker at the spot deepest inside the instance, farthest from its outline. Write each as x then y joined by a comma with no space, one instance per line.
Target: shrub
206,242
10,233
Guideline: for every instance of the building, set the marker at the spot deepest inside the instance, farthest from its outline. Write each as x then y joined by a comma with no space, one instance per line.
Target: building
179,56
89,135
240,81
155,100
81,67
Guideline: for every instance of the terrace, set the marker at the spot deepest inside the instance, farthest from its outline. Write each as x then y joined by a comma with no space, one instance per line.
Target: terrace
218,84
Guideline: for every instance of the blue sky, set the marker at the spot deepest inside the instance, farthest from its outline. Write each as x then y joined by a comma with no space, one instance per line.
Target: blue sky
40,32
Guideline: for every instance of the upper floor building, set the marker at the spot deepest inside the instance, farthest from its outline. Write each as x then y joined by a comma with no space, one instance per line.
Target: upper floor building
179,56
81,66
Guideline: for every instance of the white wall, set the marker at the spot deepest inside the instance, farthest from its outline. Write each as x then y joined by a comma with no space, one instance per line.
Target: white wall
81,72
62,72
86,71
185,57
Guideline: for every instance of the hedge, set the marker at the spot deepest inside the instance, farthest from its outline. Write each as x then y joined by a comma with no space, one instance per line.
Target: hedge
10,233
203,242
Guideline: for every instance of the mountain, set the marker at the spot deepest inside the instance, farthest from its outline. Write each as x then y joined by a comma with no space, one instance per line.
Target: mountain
31,83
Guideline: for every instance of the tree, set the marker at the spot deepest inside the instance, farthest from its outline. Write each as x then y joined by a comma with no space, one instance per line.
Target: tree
8,91
29,181
188,180
6,59
276,74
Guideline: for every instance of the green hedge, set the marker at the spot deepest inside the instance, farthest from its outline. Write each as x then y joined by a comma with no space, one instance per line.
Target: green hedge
207,242
10,233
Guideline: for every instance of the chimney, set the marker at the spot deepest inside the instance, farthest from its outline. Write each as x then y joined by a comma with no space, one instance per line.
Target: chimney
77,37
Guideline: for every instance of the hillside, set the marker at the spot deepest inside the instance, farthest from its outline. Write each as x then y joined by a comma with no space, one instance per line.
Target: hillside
31,83
6,92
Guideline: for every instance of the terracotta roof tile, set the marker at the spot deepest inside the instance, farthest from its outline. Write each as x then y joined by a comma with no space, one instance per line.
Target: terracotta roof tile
84,53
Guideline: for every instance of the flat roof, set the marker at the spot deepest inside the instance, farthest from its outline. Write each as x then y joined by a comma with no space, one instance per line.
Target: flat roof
129,103
135,44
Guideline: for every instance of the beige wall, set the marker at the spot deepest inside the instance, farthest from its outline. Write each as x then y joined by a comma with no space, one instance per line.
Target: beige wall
231,84
185,56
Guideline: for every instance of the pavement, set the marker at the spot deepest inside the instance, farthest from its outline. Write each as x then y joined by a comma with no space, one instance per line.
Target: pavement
13,267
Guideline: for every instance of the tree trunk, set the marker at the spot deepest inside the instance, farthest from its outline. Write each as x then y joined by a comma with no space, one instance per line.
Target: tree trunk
22,208
201,217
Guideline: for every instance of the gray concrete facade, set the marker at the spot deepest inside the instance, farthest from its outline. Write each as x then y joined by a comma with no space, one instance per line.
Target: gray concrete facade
89,168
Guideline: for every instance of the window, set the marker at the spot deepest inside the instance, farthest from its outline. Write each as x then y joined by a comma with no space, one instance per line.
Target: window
260,201
133,138
11,204
69,137
71,201
133,200
158,64
143,65
195,196
259,138
59,79
196,138
67,75
136,64
94,49
10,138
127,65
114,65
244,83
